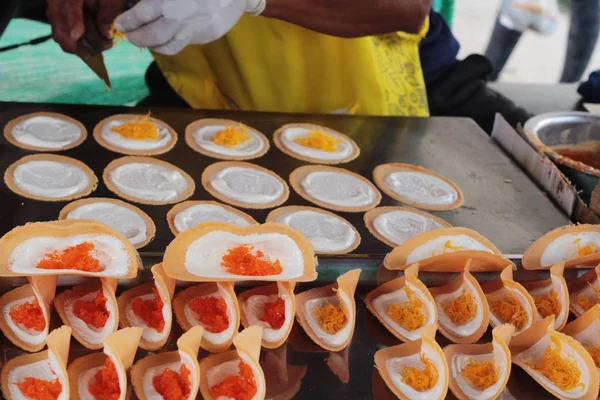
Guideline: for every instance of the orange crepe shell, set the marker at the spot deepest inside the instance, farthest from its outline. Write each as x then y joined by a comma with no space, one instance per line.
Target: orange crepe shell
522,354
443,295
532,257
586,330
174,260
454,261
64,299
398,285
497,350
346,284
166,289
496,289
225,290
121,347
584,290
247,349
557,284
188,343
63,229
278,289
426,344
39,288
58,341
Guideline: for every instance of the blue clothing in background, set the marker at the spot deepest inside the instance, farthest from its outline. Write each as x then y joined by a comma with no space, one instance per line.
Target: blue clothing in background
438,50
590,89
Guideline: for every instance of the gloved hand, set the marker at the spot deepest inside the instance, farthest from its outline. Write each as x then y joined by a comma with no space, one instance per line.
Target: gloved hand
167,26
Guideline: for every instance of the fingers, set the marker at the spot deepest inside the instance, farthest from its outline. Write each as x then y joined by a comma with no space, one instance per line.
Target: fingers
143,13
154,34
108,11
66,17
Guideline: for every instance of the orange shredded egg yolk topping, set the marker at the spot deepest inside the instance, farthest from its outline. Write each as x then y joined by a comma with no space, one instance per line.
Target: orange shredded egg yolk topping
586,302
421,379
583,251
509,310
239,387
560,370
150,311
139,128
548,304
39,389
462,309
78,257
172,385
331,317
408,314
115,34
94,313
240,261
594,352
29,315
274,313
105,385
211,312
231,136
481,374
317,139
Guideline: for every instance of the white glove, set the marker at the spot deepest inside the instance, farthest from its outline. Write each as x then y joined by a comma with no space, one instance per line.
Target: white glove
537,15
167,26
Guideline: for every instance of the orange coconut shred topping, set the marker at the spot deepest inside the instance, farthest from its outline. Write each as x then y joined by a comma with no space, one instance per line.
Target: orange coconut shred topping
139,128
94,313
241,261
239,387
29,315
172,385
274,313
408,314
548,304
78,257
560,370
421,379
509,310
594,352
231,136
586,302
150,311
317,139
481,374
462,309
583,251
211,312
105,385
39,389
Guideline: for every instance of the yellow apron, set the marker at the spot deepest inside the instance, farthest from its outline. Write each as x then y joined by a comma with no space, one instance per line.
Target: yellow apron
264,64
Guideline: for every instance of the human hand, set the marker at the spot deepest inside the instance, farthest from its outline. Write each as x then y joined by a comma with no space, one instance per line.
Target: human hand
167,26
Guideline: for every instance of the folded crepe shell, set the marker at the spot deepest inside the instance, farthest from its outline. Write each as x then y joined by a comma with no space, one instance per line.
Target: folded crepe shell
220,298
418,363
209,251
577,245
341,313
509,302
49,365
463,312
584,292
146,370
98,294
21,320
586,330
104,251
551,296
120,348
556,361
406,298
241,363
447,250
188,214
480,371
280,299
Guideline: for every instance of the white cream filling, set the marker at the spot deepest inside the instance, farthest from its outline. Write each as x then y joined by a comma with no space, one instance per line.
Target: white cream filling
204,256
112,137
199,213
443,245
148,181
421,188
254,308
50,179
381,304
218,373
587,292
340,337
398,226
557,286
216,338
150,373
122,219
148,333
564,247
247,185
89,333
338,189
108,250
203,138
325,232
469,327
47,370
47,132
26,335
520,297
288,136
460,361
395,365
